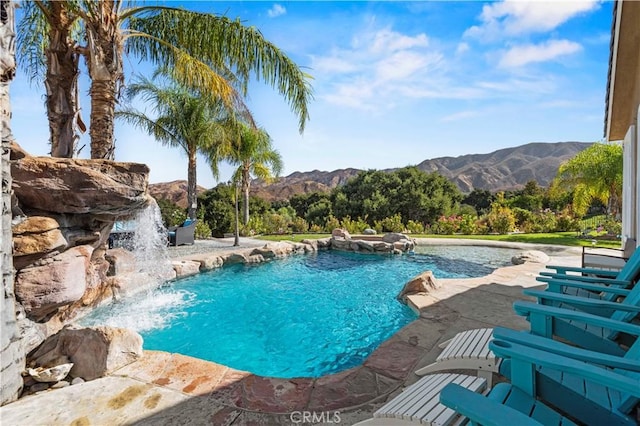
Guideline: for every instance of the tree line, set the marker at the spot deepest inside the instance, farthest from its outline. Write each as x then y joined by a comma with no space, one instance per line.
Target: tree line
410,200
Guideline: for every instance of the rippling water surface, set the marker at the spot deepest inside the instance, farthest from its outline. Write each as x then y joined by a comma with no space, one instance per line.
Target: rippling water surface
303,316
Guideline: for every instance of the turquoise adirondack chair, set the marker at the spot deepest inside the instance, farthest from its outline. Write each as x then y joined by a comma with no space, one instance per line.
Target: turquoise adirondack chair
629,301
611,335
597,283
599,403
593,394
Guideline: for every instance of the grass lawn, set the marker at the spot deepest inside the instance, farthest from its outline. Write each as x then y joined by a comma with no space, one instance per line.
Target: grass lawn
558,238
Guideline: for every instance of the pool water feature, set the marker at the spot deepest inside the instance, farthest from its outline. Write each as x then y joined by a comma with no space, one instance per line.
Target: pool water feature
303,316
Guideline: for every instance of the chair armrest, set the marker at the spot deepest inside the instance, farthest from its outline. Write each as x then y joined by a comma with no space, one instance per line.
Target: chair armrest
582,301
172,228
536,357
586,286
587,279
553,346
480,409
590,271
526,309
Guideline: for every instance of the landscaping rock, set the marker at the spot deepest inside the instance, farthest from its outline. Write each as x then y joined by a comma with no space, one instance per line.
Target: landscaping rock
94,351
340,233
50,375
233,258
323,243
369,231
533,256
121,261
310,245
34,238
60,281
255,258
185,268
423,283
393,237
65,185
208,261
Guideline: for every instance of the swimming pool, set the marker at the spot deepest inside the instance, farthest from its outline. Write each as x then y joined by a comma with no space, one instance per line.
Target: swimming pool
303,316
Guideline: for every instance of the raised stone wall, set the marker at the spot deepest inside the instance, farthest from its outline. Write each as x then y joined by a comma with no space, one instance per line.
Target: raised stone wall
12,359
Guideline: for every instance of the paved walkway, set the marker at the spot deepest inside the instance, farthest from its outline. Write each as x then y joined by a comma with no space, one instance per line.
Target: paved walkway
167,389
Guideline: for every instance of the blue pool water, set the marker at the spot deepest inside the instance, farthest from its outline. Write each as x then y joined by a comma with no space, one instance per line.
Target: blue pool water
303,316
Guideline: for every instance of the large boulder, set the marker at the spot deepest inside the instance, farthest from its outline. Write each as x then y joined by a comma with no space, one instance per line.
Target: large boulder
273,250
340,233
423,283
533,256
35,237
94,351
64,185
53,282
393,237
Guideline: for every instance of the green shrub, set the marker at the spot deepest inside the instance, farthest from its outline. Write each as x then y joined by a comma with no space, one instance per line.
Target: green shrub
298,224
415,227
315,229
447,225
389,224
332,223
501,219
612,226
202,230
172,214
467,225
353,226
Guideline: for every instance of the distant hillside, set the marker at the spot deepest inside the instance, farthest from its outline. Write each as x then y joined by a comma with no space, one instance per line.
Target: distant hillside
509,168
505,169
175,191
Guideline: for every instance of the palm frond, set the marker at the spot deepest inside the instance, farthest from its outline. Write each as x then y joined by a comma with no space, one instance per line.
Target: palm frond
221,43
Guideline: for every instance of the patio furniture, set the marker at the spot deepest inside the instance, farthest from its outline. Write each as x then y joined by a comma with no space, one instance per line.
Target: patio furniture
470,349
559,281
122,235
182,234
420,403
581,395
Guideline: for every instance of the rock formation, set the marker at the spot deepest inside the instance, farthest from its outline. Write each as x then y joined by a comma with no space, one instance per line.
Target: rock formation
423,283
395,243
63,211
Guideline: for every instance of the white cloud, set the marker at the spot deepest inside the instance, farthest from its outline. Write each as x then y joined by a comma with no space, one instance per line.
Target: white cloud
462,115
377,64
518,56
276,10
516,17
462,48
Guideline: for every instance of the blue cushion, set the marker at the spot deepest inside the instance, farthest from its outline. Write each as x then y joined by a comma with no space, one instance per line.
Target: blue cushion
188,222
172,233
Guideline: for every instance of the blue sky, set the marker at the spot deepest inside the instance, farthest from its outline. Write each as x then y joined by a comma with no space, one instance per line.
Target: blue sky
396,83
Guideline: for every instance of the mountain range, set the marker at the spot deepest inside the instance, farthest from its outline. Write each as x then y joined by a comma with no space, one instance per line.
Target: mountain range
504,169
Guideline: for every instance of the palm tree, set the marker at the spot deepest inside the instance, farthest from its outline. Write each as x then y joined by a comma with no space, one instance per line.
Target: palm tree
200,48
255,157
184,119
47,49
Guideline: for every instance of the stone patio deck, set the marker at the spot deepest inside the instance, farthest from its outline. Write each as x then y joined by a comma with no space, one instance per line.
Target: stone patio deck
166,389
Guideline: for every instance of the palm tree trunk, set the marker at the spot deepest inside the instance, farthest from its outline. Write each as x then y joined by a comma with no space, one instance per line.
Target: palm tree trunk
103,55
192,195
61,83
11,351
236,239
245,195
